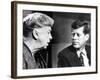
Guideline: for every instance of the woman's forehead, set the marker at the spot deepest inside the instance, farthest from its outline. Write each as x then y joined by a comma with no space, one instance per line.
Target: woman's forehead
45,29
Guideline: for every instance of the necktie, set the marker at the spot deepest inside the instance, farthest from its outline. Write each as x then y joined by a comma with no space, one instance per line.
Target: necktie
81,59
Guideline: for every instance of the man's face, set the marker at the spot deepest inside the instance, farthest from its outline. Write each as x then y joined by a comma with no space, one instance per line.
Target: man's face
44,36
79,39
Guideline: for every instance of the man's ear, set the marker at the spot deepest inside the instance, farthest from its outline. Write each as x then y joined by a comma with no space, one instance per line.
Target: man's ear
35,33
87,37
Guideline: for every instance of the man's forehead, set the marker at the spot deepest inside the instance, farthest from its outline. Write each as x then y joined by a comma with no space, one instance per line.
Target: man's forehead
78,29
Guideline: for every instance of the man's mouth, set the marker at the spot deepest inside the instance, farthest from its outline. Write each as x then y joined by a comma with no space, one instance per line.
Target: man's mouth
75,42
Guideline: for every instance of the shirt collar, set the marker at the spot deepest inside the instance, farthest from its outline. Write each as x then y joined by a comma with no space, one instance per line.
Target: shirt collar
83,50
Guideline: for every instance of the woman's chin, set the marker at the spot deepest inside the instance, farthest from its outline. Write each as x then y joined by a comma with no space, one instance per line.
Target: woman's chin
45,46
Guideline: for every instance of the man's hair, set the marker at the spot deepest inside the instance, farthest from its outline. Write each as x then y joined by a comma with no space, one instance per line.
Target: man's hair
37,18
82,23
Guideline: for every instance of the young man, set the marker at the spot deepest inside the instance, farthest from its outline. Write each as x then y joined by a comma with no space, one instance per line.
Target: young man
36,36
78,54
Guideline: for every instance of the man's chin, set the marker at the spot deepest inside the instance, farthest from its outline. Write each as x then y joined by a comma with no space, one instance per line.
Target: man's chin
76,46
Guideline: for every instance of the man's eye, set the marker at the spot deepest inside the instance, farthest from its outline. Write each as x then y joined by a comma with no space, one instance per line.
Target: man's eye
73,34
78,35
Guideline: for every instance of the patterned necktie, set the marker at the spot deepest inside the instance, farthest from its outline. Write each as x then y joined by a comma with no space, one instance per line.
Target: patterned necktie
81,59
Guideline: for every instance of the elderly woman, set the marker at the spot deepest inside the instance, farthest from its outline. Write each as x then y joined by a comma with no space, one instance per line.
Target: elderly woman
36,36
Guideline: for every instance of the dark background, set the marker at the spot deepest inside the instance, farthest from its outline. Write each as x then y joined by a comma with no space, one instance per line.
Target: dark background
61,31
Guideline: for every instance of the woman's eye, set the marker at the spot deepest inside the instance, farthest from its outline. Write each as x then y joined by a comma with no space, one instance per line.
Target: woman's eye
48,32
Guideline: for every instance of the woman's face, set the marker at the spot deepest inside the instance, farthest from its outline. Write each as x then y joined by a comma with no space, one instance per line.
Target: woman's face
44,36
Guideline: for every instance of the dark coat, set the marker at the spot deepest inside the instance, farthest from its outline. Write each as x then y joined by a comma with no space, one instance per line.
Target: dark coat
69,58
38,60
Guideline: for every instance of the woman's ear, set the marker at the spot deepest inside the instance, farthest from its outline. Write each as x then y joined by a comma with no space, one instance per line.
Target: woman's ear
35,34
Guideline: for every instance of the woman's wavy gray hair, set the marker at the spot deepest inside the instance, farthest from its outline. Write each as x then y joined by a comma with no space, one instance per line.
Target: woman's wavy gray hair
37,18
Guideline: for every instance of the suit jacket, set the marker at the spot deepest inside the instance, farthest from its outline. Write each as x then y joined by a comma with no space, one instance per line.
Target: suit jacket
69,58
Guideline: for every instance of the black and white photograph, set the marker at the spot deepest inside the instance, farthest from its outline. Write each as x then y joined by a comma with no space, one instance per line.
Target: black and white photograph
53,39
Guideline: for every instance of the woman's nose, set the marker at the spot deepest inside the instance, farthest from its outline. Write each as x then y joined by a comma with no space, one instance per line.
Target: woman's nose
50,36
